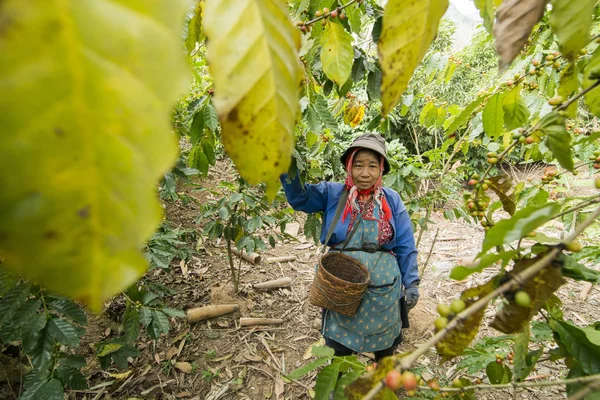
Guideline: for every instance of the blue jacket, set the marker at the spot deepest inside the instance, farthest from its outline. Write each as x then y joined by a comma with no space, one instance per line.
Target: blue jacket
324,197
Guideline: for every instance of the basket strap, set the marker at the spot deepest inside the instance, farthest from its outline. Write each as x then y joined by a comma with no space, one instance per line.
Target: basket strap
316,282
336,217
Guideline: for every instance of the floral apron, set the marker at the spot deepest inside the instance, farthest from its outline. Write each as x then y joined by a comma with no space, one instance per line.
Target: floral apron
376,323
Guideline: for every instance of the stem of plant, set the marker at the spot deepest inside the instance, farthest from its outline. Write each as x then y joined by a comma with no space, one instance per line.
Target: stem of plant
406,361
582,393
312,21
578,207
573,99
584,379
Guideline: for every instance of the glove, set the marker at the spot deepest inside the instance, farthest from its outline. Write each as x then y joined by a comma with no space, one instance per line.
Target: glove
411,296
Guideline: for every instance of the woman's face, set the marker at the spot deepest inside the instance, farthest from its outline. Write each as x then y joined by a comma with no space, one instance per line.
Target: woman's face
365,169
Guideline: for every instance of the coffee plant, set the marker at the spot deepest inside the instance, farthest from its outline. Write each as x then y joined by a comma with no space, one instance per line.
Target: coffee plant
243,218
283,87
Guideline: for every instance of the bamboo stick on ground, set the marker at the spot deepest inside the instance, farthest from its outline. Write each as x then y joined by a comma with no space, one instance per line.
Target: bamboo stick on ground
275,283
586,291
260,321
281,259
252,258
208,312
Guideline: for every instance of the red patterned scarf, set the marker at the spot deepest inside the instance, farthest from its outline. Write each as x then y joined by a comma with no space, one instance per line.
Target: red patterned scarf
354,194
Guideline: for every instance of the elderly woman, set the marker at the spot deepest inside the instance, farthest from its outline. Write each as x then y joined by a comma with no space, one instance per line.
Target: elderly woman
383,242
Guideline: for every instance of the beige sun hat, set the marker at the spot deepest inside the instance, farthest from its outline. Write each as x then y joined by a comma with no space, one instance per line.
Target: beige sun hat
371,141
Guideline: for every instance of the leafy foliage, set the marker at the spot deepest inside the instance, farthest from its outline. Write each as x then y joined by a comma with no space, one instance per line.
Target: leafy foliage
47,325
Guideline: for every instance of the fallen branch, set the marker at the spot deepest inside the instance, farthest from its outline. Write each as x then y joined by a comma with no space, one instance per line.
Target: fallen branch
208,312
275,283
252,258
260,321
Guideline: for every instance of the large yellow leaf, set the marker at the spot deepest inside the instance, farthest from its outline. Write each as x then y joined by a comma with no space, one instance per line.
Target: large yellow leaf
252,53
409,26
86,88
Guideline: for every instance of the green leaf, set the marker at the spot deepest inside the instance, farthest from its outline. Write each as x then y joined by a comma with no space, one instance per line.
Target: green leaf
324,114
519,225
374,84
486,11
592,98
32,332
46,390
131,323
172,312
337,54
498,373
575,387
252,52
344,381
483,352
11,302
571,21
582,344
209,151
211,120
524,360
7,281
194,27
568,86
254,224
326,381
323,351
67,308
516,113
451,125
197,127
63,332
493,116
105,349
428,115
104,83
300,372
10,331
408,30
120,356
41,354
540,332
198,160
313,227
160,324
71,377
460,272
558,141
145,316
574,270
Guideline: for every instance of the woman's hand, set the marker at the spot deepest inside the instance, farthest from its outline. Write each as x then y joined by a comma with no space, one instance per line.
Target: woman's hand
411,296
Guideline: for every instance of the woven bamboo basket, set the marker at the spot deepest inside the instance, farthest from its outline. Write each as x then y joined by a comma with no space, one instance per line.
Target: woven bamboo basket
339,284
